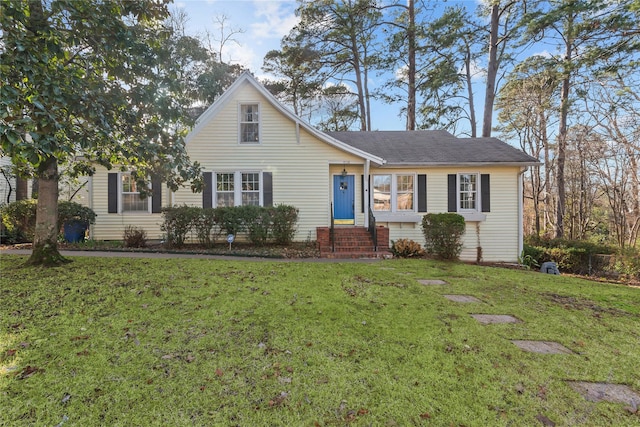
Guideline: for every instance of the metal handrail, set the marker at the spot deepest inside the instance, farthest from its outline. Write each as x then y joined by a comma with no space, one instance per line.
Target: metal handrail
373,230
332,231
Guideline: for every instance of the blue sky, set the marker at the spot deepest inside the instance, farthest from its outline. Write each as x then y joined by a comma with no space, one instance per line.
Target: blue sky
264,23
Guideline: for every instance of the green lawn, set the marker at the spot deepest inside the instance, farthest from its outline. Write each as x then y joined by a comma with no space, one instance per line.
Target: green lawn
172,342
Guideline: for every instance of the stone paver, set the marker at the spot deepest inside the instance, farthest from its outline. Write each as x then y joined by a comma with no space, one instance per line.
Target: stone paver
542,347
432,282
487,319
461,298
617,393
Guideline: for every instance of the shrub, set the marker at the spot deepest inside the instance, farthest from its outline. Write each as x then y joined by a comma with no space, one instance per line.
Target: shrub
231,220
178,222
406,248
204,224
134,237
285,220
19,219
257,222
571,256
443,234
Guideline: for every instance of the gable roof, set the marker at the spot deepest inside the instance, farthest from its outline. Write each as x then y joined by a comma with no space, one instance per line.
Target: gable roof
434,148
247,78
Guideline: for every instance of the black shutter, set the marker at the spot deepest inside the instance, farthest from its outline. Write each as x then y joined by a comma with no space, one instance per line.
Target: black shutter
452,202
207,190
485,192
267,185
362,193
422,193
156,195
112,193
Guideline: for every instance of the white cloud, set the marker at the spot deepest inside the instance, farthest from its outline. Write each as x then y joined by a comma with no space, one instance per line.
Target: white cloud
275,19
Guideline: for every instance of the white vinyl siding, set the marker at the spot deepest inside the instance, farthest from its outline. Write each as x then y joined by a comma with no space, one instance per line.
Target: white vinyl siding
301,170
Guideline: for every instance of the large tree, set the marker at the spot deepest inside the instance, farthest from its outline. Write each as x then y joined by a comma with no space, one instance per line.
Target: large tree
344,35
588,33
91,80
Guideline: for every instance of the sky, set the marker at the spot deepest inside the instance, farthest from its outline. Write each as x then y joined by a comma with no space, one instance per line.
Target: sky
263,24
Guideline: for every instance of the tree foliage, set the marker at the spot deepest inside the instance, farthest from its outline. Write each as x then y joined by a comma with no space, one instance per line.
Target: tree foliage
89,82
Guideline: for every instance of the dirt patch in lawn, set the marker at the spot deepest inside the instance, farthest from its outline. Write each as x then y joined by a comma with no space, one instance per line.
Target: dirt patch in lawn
573,303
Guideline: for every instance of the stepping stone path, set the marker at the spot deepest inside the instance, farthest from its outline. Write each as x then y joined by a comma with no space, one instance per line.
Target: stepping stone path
431,282
542,347
593,392
617,393
488,319
461,298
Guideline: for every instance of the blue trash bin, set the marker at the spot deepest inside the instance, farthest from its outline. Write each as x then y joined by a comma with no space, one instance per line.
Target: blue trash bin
74,231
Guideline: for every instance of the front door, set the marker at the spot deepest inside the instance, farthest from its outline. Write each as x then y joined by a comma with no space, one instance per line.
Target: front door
343,199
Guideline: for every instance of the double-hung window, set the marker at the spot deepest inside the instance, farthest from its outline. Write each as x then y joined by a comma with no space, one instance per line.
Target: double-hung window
238,188
468,192
250,188
131,201
249,123
225,189
393,193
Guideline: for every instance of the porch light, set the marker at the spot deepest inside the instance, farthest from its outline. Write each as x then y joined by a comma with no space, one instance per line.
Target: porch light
344,172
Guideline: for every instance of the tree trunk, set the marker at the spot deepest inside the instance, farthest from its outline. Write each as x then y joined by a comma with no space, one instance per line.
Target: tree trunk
472,108
45,241
411,89
492,71
22,189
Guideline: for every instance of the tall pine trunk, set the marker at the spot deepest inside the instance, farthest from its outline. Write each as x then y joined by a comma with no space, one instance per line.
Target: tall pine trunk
411,89
492,72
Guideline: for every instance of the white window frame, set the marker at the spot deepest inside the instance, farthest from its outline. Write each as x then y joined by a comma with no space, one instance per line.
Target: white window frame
241,122
394,193
237,186
121,194
215,187
478,202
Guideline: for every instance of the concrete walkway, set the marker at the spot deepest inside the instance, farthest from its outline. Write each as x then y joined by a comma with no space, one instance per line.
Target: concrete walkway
160,255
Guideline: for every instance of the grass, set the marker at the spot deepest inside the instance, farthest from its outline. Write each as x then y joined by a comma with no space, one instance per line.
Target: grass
137,342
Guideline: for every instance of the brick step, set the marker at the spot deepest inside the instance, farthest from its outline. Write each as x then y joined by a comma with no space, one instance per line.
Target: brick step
357,255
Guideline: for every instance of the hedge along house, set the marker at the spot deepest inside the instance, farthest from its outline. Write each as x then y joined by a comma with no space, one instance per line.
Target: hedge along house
256,151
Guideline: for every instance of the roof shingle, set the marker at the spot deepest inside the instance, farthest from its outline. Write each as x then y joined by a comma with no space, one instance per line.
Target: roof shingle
433,147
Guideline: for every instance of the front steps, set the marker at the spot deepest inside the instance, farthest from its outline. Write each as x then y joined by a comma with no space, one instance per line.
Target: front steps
353,242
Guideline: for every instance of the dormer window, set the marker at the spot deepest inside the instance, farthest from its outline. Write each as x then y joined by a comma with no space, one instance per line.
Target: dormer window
249,123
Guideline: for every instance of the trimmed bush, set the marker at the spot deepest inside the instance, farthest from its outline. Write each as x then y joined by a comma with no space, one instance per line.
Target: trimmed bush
285,221
231,220
406,248
204,225
443,234
178,222
257,222
134,237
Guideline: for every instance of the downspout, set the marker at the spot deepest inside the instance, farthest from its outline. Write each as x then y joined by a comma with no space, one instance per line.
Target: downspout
91,195
365,189
521,211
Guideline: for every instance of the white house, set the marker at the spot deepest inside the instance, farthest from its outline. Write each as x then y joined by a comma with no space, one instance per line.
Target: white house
256,151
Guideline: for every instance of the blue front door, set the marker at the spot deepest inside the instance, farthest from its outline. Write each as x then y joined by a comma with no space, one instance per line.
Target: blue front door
343,199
